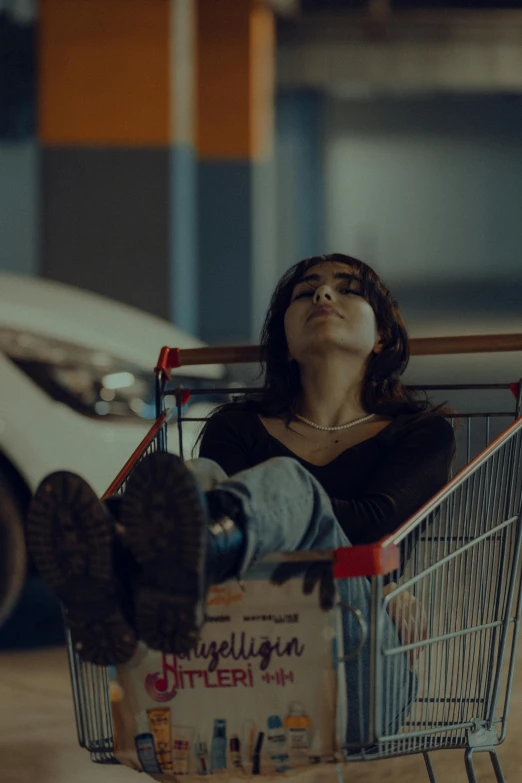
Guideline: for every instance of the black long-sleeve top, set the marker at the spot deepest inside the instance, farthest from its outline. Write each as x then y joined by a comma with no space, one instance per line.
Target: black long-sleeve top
374,486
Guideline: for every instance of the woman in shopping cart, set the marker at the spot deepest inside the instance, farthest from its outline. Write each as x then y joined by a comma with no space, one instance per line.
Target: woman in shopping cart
332,451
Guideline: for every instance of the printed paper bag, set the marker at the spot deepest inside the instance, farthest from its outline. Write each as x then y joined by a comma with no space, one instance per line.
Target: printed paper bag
257,696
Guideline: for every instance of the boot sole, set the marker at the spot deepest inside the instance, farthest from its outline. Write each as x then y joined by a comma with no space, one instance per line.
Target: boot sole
165,529
69,535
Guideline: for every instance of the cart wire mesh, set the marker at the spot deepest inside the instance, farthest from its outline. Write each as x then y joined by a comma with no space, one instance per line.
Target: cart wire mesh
458,588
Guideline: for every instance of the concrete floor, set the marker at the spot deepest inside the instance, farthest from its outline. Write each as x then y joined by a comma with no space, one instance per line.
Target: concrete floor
38,735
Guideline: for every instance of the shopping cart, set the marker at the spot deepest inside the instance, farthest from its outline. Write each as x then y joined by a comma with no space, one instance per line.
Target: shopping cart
458,557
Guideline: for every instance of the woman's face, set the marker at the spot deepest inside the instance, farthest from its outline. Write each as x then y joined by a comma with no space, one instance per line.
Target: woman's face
327,311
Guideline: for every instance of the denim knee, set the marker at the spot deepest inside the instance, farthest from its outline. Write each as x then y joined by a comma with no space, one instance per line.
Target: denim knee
287,465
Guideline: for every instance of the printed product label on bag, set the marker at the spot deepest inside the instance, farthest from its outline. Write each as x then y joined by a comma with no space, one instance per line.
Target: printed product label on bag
257,695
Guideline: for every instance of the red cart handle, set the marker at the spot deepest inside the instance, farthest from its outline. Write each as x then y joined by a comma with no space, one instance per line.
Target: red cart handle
169,359
366,560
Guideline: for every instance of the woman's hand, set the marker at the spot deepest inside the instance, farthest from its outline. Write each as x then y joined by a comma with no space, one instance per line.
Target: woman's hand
409,618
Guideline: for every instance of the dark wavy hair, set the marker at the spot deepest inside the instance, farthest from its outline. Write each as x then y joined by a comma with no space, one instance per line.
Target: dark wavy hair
382,390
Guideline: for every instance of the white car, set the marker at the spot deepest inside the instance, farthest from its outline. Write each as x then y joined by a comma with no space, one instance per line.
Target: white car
77,384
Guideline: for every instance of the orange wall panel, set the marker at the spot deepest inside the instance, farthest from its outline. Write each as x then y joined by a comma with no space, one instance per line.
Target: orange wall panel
262,85
223,128
104,72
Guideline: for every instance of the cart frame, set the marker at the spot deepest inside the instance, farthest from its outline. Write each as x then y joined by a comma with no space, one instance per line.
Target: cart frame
463,544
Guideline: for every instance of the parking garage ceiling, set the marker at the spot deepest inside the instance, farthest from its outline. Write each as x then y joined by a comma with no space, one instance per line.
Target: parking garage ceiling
359,5
456,45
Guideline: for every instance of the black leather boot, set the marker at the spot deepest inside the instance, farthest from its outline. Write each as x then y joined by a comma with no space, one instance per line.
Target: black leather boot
226,543
183,541
70,535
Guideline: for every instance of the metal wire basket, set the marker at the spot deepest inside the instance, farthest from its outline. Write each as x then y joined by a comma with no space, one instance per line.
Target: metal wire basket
458,578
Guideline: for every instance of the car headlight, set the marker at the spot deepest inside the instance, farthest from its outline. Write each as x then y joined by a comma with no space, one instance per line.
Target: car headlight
91,382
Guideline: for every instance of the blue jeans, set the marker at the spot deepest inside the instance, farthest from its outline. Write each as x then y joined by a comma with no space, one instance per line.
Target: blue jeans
287,510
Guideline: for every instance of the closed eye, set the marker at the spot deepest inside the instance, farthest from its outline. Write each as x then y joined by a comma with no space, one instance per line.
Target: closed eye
311,292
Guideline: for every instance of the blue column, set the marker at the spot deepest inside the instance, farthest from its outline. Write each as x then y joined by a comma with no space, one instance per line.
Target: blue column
300,186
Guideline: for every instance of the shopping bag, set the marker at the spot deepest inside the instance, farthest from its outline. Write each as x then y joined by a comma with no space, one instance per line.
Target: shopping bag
257,696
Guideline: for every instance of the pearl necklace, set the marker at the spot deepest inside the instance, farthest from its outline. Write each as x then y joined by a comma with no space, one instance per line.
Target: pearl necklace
334,429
